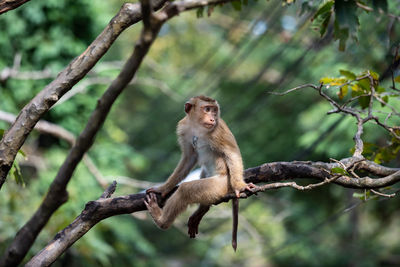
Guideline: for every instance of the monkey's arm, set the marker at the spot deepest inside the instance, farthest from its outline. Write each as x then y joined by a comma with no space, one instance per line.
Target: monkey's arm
235,169
185,165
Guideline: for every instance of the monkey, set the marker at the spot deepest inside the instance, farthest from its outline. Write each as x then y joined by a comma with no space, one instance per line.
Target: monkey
206,140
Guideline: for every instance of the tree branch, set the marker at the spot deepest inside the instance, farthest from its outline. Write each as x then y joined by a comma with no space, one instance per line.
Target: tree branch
75,71
57,194
101,209
7,5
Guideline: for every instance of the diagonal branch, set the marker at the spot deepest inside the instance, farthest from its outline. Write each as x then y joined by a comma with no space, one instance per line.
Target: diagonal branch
57,194
74,72
7,5
101,209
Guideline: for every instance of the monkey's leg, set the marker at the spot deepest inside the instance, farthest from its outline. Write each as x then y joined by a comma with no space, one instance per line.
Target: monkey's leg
204,191
172,208
153,208
194,220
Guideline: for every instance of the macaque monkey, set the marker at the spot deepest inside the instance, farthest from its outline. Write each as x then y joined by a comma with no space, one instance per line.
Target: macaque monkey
205,139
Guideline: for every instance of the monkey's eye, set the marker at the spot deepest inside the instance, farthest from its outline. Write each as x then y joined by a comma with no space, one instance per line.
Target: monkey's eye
207,109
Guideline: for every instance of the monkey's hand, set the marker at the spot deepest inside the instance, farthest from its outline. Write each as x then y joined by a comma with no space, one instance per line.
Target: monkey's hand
157,190
248,187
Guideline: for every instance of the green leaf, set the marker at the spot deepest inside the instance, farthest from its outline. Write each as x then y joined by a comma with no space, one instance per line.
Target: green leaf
343,92
385,99
338,170
333,81
325,8
324,24
16,174
363,101
199,12
346,14
364,84
359,195
380,89
369,149
1,133
374,75
322,17
346,21
237,5
348,74
325,80
340,34
356,90
22,153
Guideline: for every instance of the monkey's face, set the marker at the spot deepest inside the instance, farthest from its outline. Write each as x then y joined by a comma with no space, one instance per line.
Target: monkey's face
208,115
203,113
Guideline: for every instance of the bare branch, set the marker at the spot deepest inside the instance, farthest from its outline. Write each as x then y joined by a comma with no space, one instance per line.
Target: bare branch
96,211
57,194
7,5
361,119
295,89
110,190
75,71
382,194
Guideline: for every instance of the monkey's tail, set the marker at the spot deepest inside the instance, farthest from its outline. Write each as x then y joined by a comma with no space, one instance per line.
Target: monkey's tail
235,214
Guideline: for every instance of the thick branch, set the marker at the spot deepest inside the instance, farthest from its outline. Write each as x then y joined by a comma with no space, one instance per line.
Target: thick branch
57,194
75,71
7,5
101,209
280,171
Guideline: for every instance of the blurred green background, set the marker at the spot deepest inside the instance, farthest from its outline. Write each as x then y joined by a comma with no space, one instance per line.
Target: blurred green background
235,57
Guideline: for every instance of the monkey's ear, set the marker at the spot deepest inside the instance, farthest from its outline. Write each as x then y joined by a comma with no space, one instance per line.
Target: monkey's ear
188,106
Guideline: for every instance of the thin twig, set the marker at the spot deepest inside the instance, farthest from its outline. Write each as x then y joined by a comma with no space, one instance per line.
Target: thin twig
382,194
294,89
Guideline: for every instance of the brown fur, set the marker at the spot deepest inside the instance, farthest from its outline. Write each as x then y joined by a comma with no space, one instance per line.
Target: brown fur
216,151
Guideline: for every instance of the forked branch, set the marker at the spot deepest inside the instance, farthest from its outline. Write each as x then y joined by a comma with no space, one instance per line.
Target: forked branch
271,173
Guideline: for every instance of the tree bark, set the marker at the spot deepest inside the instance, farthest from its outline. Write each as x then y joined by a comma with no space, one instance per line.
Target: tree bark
16,135
7,5
270,173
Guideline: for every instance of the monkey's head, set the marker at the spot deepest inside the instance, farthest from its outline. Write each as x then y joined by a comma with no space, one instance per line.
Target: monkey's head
204,111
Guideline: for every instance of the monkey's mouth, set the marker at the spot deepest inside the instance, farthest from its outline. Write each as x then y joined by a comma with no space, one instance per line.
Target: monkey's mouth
208,125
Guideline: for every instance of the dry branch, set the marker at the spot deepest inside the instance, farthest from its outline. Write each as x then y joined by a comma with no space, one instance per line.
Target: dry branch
14,138
57,193
361,116
270,173
7,5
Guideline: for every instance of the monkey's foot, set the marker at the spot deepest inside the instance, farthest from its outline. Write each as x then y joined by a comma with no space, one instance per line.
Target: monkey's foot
193,225
152,206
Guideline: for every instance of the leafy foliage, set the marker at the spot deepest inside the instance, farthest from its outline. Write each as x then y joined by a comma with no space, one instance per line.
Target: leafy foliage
346,17
235,57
